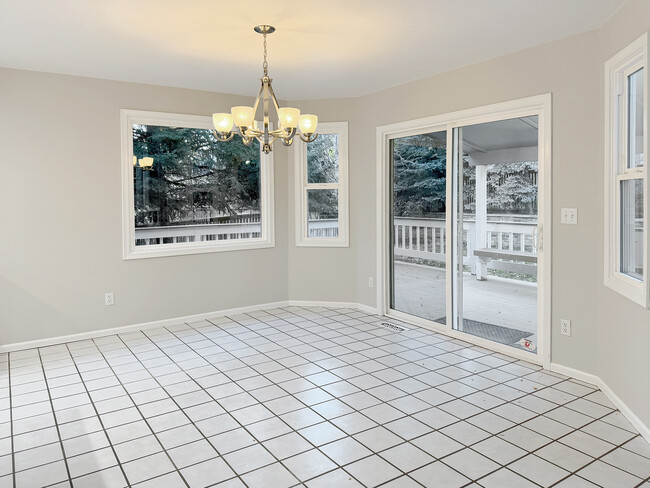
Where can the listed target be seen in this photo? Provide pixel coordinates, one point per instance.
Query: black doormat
(496, 333)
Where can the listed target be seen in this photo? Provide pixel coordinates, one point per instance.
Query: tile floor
(303, 397)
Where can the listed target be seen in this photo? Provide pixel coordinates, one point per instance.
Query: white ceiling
(322, 48)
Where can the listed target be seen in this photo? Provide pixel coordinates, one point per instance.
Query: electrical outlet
(371, 282)
(565, 327)
(569, 216)
(109, 299)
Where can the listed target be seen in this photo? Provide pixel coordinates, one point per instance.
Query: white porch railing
(145, 236)
(427, 239)
(323, 227)
(195, 233)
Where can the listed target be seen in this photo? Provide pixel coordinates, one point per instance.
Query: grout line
(101, 423)
(11, 423)
(56, 423)
(143, 418)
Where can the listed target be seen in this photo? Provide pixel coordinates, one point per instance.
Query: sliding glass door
(418, 224)
(496, 237)
(463, 228)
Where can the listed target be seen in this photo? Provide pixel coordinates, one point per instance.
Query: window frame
(130, 117)
(302, 186)
(617, 72)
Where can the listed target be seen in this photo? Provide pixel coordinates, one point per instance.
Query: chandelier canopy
(243, 118)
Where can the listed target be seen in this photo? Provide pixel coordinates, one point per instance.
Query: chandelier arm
(275, 100)
(309, 137)
(257, 100)
(223, 136)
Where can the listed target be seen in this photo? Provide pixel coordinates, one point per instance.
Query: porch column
(480, 239)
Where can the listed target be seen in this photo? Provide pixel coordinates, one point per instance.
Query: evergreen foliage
(419, 176)
(323, 167)
(419, 181)
(193, 173)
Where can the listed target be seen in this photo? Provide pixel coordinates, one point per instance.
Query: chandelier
(289, 119)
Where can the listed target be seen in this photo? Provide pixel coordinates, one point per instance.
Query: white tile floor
(303, 397)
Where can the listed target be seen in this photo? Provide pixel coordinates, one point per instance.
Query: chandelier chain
(265, 65)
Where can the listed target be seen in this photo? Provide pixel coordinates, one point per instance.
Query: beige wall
(329, 274)
(61, 244)
(624, 327)
(60, 216)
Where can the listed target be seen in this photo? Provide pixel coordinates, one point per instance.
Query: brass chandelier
(289, 119)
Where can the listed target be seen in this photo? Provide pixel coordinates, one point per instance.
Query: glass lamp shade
(288, 117)
(308, 123)
(222, 122)
(146, 162)
(243, 116)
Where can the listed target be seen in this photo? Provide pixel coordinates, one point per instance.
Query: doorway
(463, 206)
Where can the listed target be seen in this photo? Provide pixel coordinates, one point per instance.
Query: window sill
(629, 288)
(170, 250)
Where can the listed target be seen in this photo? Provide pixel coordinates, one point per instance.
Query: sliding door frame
(537, 105)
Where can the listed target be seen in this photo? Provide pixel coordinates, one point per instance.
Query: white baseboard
(636, 422)
(308, 303)
(50, 341)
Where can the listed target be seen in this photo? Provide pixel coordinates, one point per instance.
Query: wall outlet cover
(565, 327)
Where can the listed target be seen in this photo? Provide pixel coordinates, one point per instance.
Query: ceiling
(502, 134)
(322, 49)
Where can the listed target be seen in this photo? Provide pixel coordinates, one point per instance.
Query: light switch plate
(569, 216)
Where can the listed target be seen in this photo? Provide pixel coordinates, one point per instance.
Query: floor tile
(249, 458)
(241, 401)
(437, 444)
(192, 453)
(288, 445)
(538, 470)
(345, 451)
(564, 456)
(40, 476)
(504, 478)
(309, 464)
(372, 471)
(207, 473)
(499, 450)
(470, 463)
(378, 439)
(408, 428)
(336, 478)
(608, 476)
(322, 433)
(587, 443)
(629, 461)
(147, 467)
(439, 475)
(273, 476)
(106, 478)
(406, 457)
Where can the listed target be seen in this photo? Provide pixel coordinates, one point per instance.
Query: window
(626, 226)
(184, 192)
(322, 188)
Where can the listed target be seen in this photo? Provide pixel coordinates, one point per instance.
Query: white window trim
(129, 249)
(627, 61)
(301, 187)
